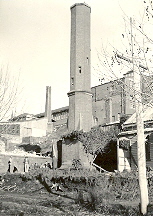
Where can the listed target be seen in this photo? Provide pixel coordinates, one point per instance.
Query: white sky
(35, 41)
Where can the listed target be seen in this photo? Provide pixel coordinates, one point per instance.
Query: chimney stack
(48, 112)
(80, 95)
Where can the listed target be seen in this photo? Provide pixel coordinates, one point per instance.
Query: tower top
(79, 4)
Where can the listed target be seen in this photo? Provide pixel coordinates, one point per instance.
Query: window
(96, 120)
(79, 69)
(87, 60)
(113, 118)
(131, 83)
(147, 146)
(58, 116)
(72, 81)
(132, 102)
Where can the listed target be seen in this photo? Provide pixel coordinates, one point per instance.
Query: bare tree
(135, 55)
(9, 92)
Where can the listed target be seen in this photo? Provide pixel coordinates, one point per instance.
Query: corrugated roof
(147, 115)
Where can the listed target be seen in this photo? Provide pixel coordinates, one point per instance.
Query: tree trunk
(141, 153)
(141, 145)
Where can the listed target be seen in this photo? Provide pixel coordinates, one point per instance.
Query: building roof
(22, 117)
(147, 115)
(62, 109)
(80, 4)
(132, 132)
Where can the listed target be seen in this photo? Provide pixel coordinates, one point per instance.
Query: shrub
(76, 164)
(95, 140)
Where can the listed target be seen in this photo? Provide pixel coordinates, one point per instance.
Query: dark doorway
(59, 151)
(108, 158)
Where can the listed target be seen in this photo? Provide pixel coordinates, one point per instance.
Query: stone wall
(2, 146)
(18, 161)
(74, 150)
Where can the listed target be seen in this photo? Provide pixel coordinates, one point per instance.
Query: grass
(82, 195)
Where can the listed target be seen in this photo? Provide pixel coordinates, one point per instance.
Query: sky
(35, 43)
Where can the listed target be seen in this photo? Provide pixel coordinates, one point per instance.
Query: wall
(29, 128)
(131, 155)
(2, 146)
(107, 102)
(116, 107)
(35, 127)
(134, 151)
(123, 160)
(60, 116)
(129, 94)
(18, 161)
(74, 150)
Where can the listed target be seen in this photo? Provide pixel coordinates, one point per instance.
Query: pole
(144, 200)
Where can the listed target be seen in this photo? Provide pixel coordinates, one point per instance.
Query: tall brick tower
(80, 96)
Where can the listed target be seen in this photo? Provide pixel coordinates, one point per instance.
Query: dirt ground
(23, 198)
(40, 203)
(17, 204)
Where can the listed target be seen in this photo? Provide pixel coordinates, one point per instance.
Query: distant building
(113, 99)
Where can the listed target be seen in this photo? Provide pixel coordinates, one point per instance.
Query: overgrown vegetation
(104, 194)
(31, 148)
(95, 140)
(93, 189)
(124, 144)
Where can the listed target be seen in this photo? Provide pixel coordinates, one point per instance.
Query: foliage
(31, 148)
(92, 199)
(76, 164)
(95, 140)
(73, 135)
(105, 187)
(123, 118)
(92, 190)
(124, 144)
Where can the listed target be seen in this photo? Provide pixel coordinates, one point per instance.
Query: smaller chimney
(48, 111)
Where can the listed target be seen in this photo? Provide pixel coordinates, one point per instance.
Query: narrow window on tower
(72, 81)
(87, 60)
(79, 69)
